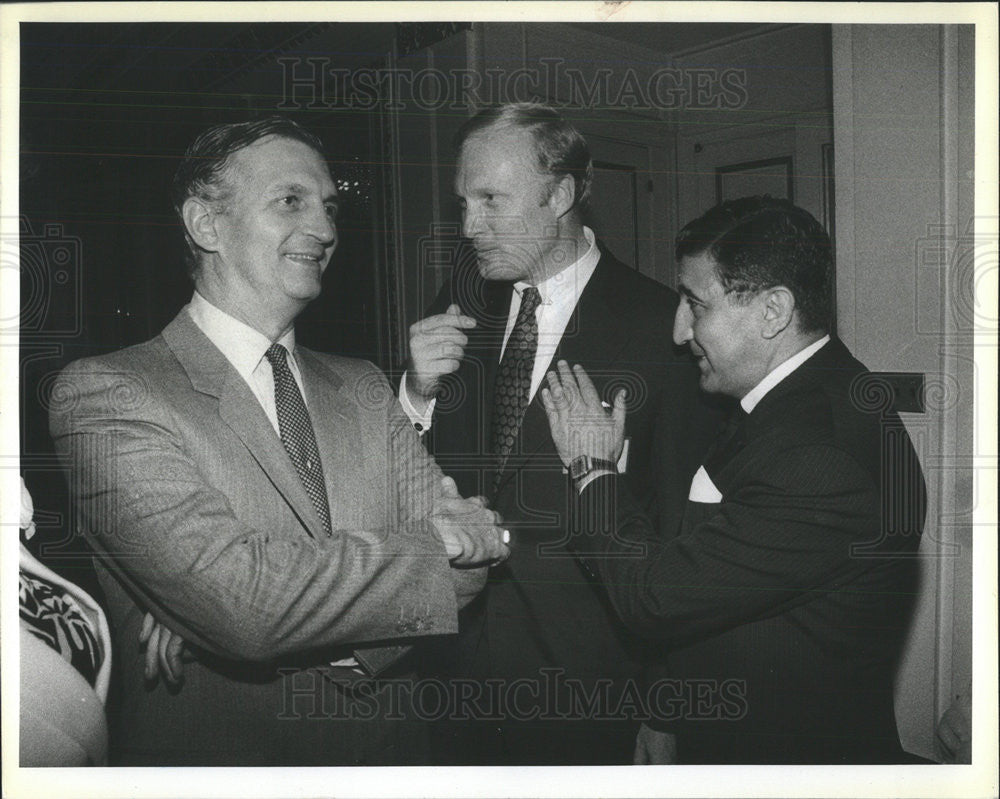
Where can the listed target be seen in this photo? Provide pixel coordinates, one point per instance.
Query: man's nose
(472, 223)
(322, 227)
(682, 324)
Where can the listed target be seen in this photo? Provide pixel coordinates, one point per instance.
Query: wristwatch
(583, 465)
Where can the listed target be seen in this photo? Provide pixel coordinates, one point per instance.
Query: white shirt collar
(243, 346)
(571, 280)
(779, 373)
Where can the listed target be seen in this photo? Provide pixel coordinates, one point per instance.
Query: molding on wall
(843, 139)
(763, 30)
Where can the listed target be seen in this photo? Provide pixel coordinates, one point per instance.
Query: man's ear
(562, 196)
(779, 310)
(199, 219)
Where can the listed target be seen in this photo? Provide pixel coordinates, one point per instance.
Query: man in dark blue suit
(542, 287)
(784, 598)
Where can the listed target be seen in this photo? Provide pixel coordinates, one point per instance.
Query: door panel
(782, 156)
(614, 214)
(620, 200)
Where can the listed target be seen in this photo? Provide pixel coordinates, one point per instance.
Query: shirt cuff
(420, 421)
(590, 478)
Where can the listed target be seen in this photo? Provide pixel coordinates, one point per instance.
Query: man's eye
(693, 305)
(331, 211)
(290, 200)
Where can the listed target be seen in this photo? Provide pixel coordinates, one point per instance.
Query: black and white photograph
(499, 399)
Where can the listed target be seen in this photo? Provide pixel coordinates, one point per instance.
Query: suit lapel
(478, 372)
(331, 404)
(833, 357)
(494, 325)
(211, 374)
(831, 361)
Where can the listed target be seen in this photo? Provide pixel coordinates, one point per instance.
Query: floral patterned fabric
(54, 617)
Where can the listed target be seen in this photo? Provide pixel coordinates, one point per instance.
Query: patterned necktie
(297, 432)
(513, 384)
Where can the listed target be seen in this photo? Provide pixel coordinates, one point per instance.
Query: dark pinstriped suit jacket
(791, 595)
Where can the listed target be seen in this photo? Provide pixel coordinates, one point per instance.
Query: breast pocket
(703, 489)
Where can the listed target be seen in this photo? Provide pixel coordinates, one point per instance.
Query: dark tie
(513, 384)
(729, 441)
(297, 432)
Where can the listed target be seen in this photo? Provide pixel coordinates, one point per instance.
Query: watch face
(578, 467)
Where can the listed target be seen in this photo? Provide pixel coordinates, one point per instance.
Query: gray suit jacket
(197, 514)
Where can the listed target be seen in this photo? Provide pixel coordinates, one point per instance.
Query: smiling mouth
(304, 258)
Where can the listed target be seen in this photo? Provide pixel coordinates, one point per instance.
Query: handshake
(472, 536)
(471, 532)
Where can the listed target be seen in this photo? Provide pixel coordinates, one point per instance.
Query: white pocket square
(703, 489)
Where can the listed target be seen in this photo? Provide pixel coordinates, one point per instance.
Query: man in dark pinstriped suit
(792, 575)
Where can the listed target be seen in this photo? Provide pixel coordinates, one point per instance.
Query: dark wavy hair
(761, 242)
(203, 171)
(560, 148)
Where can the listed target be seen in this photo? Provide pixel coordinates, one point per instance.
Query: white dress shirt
(779, 373)
(559, 296)
(244, 348)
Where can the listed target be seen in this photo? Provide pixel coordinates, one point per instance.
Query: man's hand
(437, 345)
(470, 531)
(164, 649)
(579, 422)
(654, 748)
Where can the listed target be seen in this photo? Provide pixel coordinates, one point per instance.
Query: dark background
(107, 111)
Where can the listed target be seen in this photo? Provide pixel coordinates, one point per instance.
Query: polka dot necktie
(513, 384)
(297, 432)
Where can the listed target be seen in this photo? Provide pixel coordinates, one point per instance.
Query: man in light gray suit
(269, 504)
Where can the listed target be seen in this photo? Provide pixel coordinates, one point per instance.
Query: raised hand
(470, 531)
(437, 345)
(579, 422)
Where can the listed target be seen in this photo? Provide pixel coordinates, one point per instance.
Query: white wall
(903, 136)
